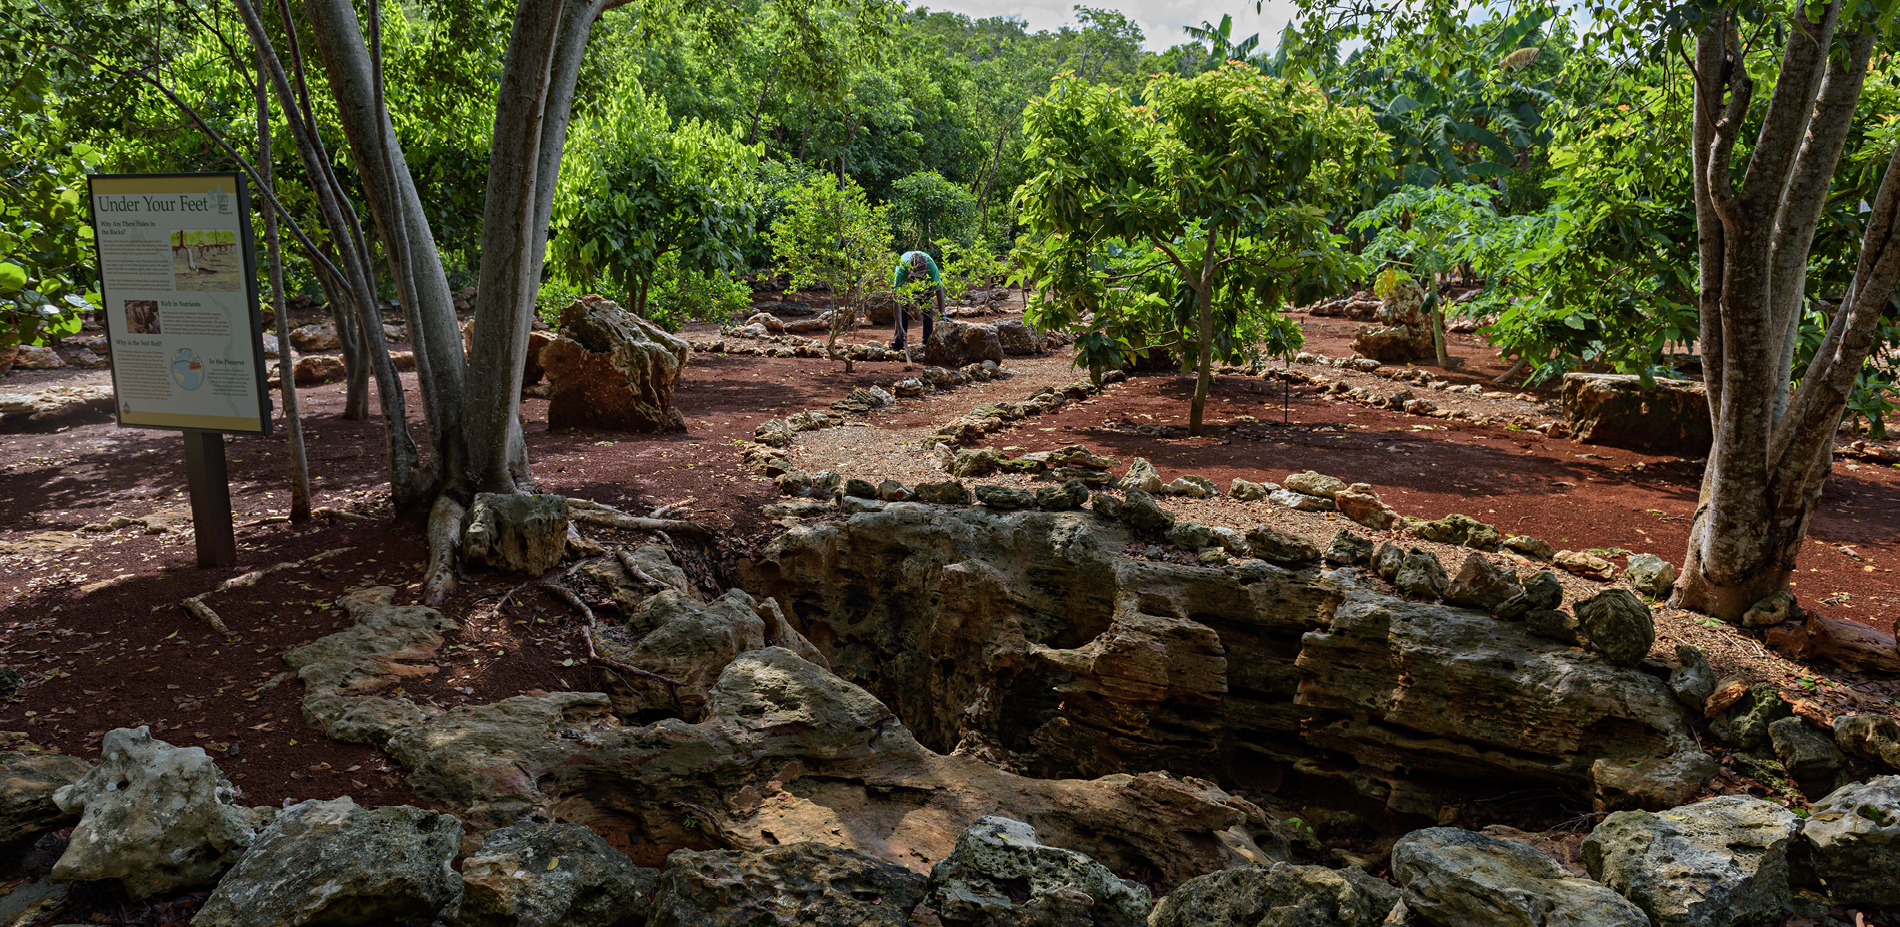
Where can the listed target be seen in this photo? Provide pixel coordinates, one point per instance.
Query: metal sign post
(178, 279)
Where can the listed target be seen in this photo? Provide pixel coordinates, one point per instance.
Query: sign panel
(179, 282)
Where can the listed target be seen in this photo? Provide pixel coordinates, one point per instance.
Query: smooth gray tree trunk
(293, 422)
(1773, 451)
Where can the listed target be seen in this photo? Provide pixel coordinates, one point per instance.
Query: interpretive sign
(179, 283)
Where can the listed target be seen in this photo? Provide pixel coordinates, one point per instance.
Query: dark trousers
(920, 305)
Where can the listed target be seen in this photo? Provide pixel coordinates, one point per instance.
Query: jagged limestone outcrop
(1033, 632)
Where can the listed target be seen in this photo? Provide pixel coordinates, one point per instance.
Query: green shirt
(903, 270)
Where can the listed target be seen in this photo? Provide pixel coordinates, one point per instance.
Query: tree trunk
(532, 112)
(1204, 305)
(293, 423)
(1772, 453)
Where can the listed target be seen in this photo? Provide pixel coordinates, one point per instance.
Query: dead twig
(196, 607)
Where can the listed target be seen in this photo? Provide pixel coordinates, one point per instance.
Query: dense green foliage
(1533, 152)
(1183, 225)
(639, 193)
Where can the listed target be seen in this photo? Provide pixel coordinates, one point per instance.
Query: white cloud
(1161, 20)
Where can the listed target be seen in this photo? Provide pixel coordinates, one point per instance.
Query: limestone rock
(1142, 513)
(1544, 590)
(1232, 540)
(852, 505)
(1359, 503)
(312, 369)
(1140, 475)
(1190, 536)
(1720, 862)
(1314, 484)
(1651, 575)
(1300, 501)
(36, 357)
(796, 885)
(1869, 736)
(1348, 548)
(1072, 494)
(970, 462)
(955, 344)
(1280, 895)
(1531, 547)
(517, 532)
(1616, 410)
(1457, 878)
(1075, 455)
(1205, 671)
(1585, 564)
(1386, 560)
(1016, 338)
(1412, 687)
(674, 636)
(1693, 679)
(833, 760)
(1853, 836)
(1107, 506)
(1191, 486)
(1745, 723)
(1421, 575)
(551, 875)
(797, 508)
(1458, 529)
(1770, 611)
(608, 368)
(1480, 584)
(1807, 754)
(383, 646)
(1554, 624)
(997, 859)
(56, 401)
(317, 336)
(1005, 498)
(799, 483)
(1405, 331)
(155, 817)
(27, 784)
(892, 491)
(1246, 491)
(1619, 624)
(946, 493)
(1279, 547)
(332, 862)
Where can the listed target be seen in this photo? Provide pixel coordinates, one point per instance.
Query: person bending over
(916, 264)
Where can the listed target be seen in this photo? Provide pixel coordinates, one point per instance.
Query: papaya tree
(1208, 207)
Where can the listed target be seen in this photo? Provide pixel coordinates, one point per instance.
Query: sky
(1161, 20)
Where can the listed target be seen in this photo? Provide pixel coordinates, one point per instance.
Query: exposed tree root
(593, 655)
(445, 529)
(594, 513)
(633, 570)
(196, 607)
